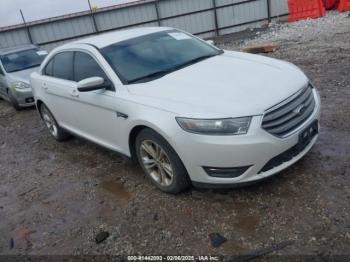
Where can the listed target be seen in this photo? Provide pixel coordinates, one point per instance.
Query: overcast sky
(39, 9)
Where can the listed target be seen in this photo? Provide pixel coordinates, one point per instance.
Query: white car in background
(186, 110)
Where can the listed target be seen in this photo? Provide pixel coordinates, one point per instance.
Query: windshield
(152, 56)
(22, 60)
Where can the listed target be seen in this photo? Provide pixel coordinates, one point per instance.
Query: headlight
(229, 126)
(20, 85)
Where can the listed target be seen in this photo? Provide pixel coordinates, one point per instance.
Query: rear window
(22, 60)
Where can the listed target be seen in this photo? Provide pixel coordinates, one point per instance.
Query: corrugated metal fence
(206, 18)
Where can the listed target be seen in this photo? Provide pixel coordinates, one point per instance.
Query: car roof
(107, 39)
(14, 49)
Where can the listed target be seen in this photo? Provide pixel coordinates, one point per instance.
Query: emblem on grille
(299, 110)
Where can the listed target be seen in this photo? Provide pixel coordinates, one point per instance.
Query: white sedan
(188, 112)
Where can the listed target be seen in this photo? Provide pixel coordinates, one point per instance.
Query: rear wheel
(55, 130)
(161, 163)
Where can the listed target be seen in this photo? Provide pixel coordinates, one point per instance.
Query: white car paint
(230, 85)
(230, 82)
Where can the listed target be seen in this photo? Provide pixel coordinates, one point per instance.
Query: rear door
(60, 89)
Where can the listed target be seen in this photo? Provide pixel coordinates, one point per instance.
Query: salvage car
(187, 111)
(16, 65)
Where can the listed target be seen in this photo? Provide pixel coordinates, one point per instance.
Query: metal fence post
(216, 18)
(27, 27)
(268, 2)
(156, 6)
(93, 17)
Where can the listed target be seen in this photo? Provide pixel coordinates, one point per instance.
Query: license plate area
(308, 134)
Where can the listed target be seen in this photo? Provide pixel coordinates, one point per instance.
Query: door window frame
(53, 66)
(113, 89)
(75, 50)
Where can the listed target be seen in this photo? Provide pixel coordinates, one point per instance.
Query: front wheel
(161, 163)
(55, 130)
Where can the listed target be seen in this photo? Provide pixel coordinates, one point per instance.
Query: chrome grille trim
(286, 117)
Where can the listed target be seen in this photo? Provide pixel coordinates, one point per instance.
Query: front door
(96, 111)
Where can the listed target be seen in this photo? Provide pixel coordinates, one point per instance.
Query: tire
(13, 101)
(161, 163)
(51, 124)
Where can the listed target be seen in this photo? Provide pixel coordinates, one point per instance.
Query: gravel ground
(56, 197)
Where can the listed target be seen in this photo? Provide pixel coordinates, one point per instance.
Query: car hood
(229, 85)
(23, 76)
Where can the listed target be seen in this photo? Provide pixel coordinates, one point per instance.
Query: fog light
(29, 100)
(230, 172)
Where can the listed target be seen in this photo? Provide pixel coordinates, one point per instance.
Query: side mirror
(210, 42)
(91, 84)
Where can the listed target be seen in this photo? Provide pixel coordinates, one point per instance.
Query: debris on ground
(217, 239)
(27, 191)
(305, 30)
(12, 243)
(263, 251)
(102, 236)
(260, 49)
(297, 32)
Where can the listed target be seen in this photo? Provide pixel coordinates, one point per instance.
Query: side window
(49, 68)
(63, 66)
(85, 66)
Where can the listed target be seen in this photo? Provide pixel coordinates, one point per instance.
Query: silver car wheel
(50, 122)
(156, 162)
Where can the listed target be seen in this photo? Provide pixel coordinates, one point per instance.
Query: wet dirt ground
(55, 197)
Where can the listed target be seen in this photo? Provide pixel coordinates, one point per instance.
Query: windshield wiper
(194, 61)
(24, 68)
(162, 73)
(157, 74)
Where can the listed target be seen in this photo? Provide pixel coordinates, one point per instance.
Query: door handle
(74, 93)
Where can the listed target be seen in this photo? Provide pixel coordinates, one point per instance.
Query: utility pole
(216, 18)
(27, 27)
(93, 17)
(156, 6)
(268, 2)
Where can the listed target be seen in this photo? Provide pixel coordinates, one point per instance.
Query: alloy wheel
(50, 122)
(156, 162)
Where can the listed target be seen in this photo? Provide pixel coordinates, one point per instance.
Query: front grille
(292, 152)
(284, 118)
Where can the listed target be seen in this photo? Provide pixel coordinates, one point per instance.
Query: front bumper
(24, 97)
(254, 149)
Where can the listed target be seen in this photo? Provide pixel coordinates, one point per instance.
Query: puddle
(247, 223)
(21, 238)
(117, 189)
